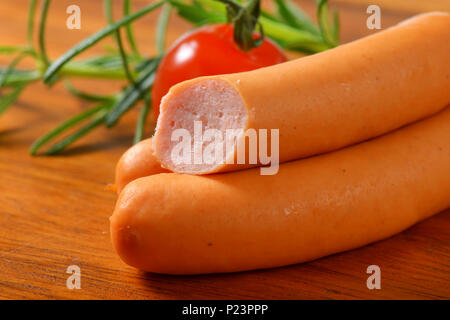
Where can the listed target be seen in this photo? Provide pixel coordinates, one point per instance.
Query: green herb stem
(5, 73)
(161, 28)
(329, 29)
(8, 99)
(43, 53)
(17, 77)
(133, 93)
(129, 29)
(92, 40)
(92, 72)
(60, 146)
(84, 95)
(123, 55)
(291, 37)
(140, 125)
(30, 22)
(288, 25)
(295, 17)
(67, 125)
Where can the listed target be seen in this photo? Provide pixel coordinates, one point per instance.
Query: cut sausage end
(199, 125)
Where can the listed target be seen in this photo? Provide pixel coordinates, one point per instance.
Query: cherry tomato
(209, 50)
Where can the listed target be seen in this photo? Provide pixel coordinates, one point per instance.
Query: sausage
(318, 103)
(136, 162)
(191, 224)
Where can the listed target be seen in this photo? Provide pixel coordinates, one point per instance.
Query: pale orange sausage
(190, 224)
(136, 162)
(321, 102)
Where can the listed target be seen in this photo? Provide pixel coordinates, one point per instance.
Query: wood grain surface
(54, 210)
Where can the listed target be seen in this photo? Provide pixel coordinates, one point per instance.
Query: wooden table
(54, 210)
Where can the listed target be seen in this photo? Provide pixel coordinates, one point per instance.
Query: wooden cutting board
(54, 210)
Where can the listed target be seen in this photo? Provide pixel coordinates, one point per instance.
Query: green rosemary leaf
(132, 94)
(306, 47)
(290, 37)
(110, 49)
(71, 122)
(5, 73)
(92, 40)
(85, 71)
(140, 125)
(99, 60)
(123, 55)
(212, 5)
(30, 22)
(129, 29)
(44, 12)
(142, 65)
(336, 27)
(270, 16)
(295, 16)
(194, 13)
(60, 146)
(17, 77)
(83, 95)
(11, 49)
(8, 99)
(107, 62)
(161, 28)
(326, 29)
(124, 58)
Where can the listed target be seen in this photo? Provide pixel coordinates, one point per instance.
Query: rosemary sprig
(96, 37)
(11, 49)
(118, 37)
(329, 29)
(96, 121)
(56, 132)
(297, 38)
(129, 29)
(197, 14)
(294, 16)
(16, 77)
(8, 99)
(139, 132)
(42, 50)
(30, 23)
(133, 93)
(116, 105)
(5, 73)
(288, 25)
(162, 27)
(83, 95)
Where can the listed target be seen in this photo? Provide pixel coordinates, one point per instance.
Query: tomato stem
(244, 18)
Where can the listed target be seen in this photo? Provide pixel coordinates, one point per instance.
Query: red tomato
(206, 51)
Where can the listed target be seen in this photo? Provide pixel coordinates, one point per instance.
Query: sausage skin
(322, 102)
(138, 161)
(192, 224)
